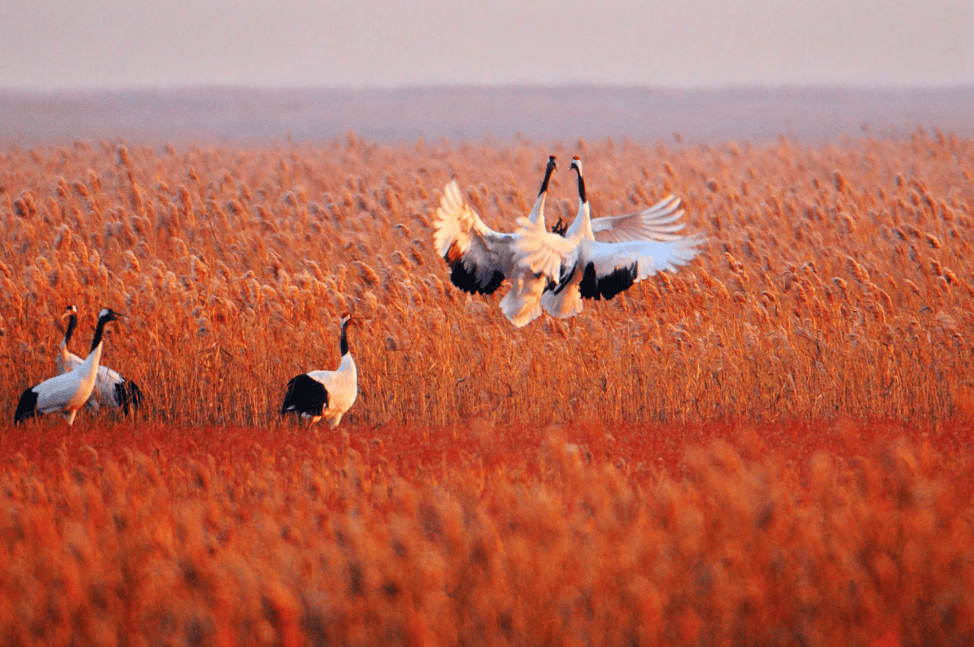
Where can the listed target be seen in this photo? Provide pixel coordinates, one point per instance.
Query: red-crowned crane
(599, 258)
(481, 258)
(110, 387)
(325, 394)
(67, 392)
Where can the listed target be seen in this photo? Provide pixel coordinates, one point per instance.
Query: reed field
(770, 446)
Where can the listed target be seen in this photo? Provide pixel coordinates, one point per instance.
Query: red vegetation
(840, 533)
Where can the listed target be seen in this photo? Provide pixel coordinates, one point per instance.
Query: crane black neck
(72, 324)
(99, 331)
(344, 345)
(547, 175)
(581, 185)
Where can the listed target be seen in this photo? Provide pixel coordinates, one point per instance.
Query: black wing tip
(607, 286)
(305, 395)
(467, 281)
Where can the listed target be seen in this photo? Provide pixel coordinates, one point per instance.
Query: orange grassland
(771, 446)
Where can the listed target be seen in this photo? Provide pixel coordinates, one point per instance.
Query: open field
(770, 447)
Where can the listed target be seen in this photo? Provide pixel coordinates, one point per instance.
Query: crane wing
(479, 257)
(61, 391)
(658, 222)
(110, 387)
(610, 268)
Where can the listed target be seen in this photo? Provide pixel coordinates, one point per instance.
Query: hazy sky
(686, 43)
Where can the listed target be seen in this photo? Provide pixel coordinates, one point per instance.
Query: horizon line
(580, 85)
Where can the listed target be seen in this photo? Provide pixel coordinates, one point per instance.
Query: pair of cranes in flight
(593, 258)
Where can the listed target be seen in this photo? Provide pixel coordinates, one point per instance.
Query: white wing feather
(541, 251)
(658, 222)
(461, 236)
(551, 254)
(649, 256)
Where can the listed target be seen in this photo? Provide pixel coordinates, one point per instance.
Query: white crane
(325, 394)
(110, 387)
(481, 258)
(600, 258)
(67, 392)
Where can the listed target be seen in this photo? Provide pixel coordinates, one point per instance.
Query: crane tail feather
(305, 396)
(27, 407)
